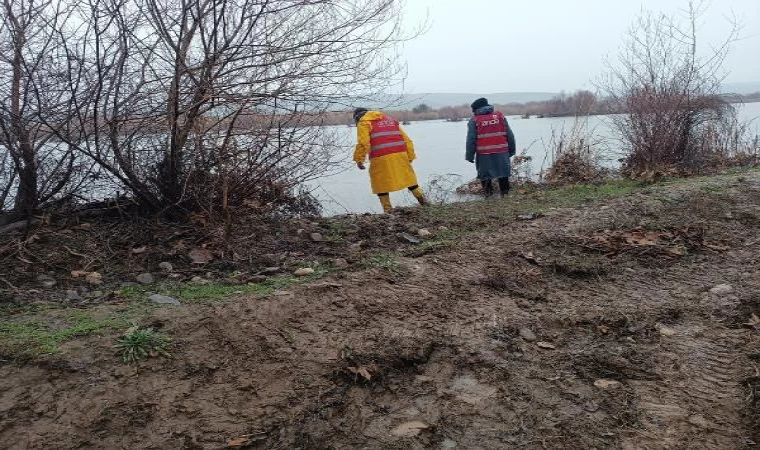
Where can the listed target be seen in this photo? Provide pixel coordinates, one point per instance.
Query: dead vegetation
(667, 243)
(575, 156)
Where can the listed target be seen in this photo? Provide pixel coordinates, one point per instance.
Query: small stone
(163, 299)
(304, 271)
(198, 280)
(528, 335)
(722, 290)
(699, 421)
(73, 296)
(175, 276)
(270, 270)
(448, 443)
(145, 278)
(166, 266)
(316, 237)
(423, 233)
(139, 250)
(607, 384)
(47, 281)
(355, 247)
(443, 228)
(94, 278)
(591, 406)
(200, 255)
(340, 263)
(666, 331)
(546, 345)
(409, 238)
(255, 279)
(409, 429)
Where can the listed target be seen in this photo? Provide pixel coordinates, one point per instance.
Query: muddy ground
(622, 324)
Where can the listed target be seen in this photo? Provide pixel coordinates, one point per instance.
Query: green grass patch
(463, 217)
(139, 343)
(384, 261)
(214, 291)
(713, 188)
(442, 240)
(34, 338)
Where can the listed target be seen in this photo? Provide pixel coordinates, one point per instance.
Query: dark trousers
(488, 186)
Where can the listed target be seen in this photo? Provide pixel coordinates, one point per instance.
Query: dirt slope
(618, 292)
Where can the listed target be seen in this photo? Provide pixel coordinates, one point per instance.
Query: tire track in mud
(699, 405)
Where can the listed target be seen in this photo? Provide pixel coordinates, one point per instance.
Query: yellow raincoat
(388, 173)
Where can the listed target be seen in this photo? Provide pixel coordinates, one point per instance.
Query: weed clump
(139, 343)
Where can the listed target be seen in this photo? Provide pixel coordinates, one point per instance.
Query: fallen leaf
(607, 384)
(139, 250)
(642, 238)
(94, 278)
(199, 219)
(604, 329)
(238, 442)
(84, 226)
(79, 273)
(365, 372)
(754, 320)
(665, 331)
(699, 421)
(200, 255)
(530, 257)
(410, 429)
(546, 345)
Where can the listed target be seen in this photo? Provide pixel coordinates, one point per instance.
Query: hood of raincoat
(371, 115)
(488, 109)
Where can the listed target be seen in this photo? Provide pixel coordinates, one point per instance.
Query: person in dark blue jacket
(490, 145)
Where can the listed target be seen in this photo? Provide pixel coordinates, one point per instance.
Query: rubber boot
(385, 201)
(417, 192)
(487, 187)
(504, 186)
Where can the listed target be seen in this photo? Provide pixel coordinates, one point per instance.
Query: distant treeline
(579, 103)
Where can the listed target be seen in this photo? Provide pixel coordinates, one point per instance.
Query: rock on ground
(528, 335)
(304, 271)
(722, 290)
(145, 278)
(163, 299)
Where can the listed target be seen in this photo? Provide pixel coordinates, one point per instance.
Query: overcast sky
(547, 45)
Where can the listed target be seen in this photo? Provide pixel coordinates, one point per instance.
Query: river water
(440, 164)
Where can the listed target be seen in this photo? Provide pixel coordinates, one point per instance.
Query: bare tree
(34, 167)
(200, 104)
(669, 88)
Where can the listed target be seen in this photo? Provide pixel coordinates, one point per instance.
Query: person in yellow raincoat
(390, 152)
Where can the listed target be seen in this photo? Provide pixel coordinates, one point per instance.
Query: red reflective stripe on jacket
(491, 134)
(385, 137)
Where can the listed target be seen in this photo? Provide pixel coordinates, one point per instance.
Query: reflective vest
(385, 137)
(491, 134)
